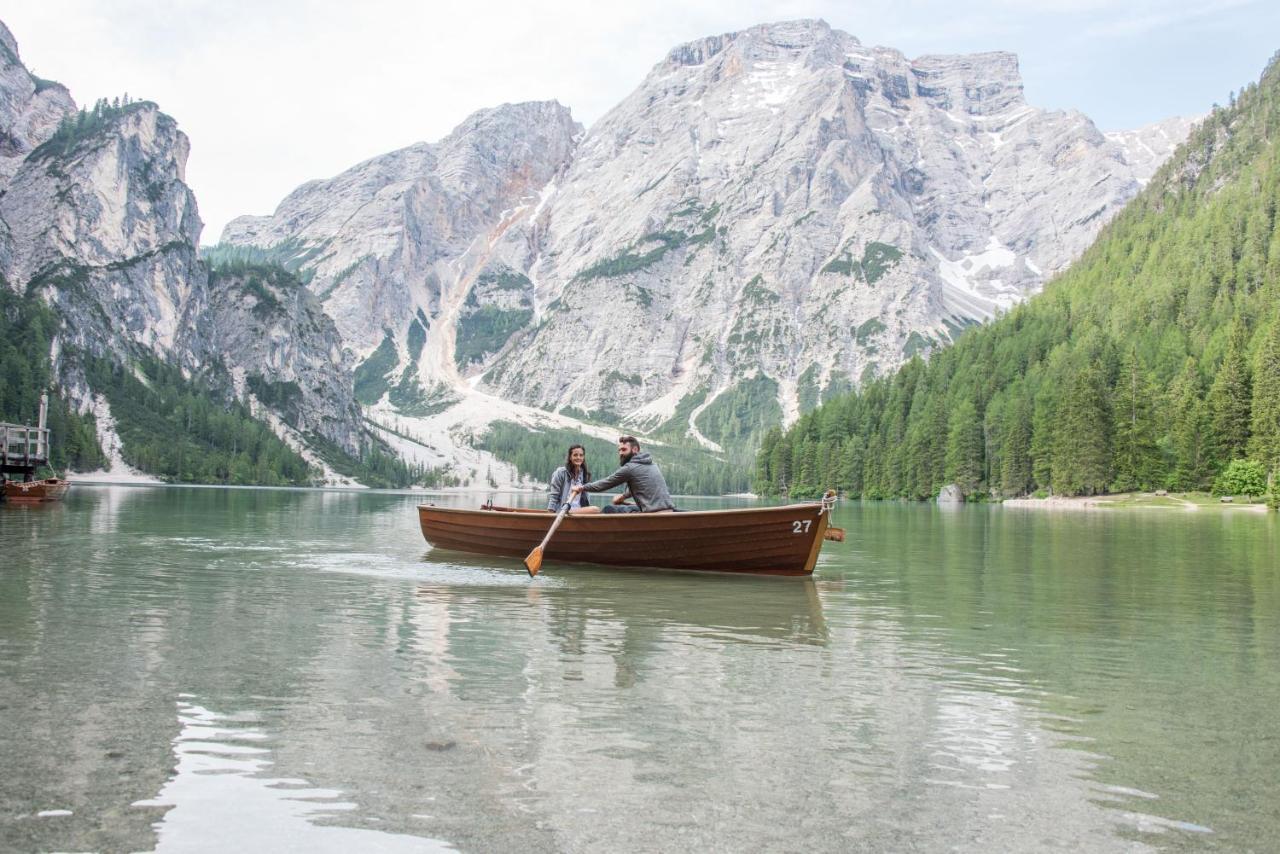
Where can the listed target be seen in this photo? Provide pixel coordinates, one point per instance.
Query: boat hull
(756, 541)
(49, 489)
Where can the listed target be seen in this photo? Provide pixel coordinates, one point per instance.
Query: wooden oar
(533, 562)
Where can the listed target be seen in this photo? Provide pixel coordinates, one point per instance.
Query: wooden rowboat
(49, 489)
(756, 541)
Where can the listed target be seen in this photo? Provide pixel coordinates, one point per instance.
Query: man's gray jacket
(645, 483)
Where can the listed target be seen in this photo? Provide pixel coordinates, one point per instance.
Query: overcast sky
(273, 94)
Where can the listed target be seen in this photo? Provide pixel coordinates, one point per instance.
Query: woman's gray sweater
(558, 490)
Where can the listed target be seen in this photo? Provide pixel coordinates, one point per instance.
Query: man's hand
(621, 499)
(577, 488)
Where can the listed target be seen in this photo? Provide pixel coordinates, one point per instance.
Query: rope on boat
(828, 502)
(26, 485)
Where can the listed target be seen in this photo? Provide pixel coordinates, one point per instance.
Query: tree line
(1154, 361)
(79, 126)
(537, 453)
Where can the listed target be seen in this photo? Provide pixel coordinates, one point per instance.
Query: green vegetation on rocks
(78, 127)
(742, 413)
(416, 339)
(877, 259)
(371, 381)
(631, 259)
(485, 330)
(27, 327)
(171, 427)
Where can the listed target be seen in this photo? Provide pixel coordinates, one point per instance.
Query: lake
(190, 669)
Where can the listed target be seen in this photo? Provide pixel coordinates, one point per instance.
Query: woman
(574, 472)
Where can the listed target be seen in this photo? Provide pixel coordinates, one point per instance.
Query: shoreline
(1186, 502)
(77, 479)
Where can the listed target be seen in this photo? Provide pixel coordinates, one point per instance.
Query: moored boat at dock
(48, 489)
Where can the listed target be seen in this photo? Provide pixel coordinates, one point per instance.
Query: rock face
(771, 217)
(30, 108)
(96, 216)
(284, 352)
(1148, 147)
(103, 223)
(396, 242)
(777, 213)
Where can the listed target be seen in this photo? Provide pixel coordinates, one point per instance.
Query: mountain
(98, 224)
(1153, 361)
(773, 216)
(385, 244)
(101, 221)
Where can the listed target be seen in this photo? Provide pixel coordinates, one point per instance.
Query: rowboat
(49, 489)
(756, 541)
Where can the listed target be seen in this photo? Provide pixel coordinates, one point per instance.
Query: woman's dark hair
(568, 462)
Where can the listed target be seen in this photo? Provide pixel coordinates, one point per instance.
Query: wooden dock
(23, 449)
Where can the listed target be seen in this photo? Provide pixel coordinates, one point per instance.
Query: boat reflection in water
(743, 609)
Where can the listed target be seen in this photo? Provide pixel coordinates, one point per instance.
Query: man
(644, 481)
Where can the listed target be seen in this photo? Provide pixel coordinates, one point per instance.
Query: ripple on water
(221, 789)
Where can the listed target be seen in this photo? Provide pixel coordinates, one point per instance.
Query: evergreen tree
(1042, 434)
(1137, 456)
(763, 482)
(1188, 429)
(964, 448)
(851, 465)
(1264, 446)
(1229, 398)
(1082, 437)
(780, 466)
(1015, 464)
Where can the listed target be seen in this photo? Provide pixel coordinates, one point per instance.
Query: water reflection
(965, 680)
(219, 799)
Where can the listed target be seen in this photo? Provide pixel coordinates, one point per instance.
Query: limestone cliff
(773, 215)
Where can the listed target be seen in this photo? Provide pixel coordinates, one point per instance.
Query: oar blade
(533, 562)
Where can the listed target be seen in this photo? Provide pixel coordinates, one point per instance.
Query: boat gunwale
(522, 512)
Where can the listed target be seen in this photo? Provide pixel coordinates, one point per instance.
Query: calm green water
(190, 669)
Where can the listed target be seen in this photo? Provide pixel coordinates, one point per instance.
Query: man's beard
(623, 459)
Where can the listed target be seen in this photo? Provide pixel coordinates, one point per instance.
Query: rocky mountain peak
(977, 84)
(30, 108)
(787, 212)
(103, 223)
(8, 42)
(383, 243)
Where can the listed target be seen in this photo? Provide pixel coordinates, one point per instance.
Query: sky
(273, 94)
